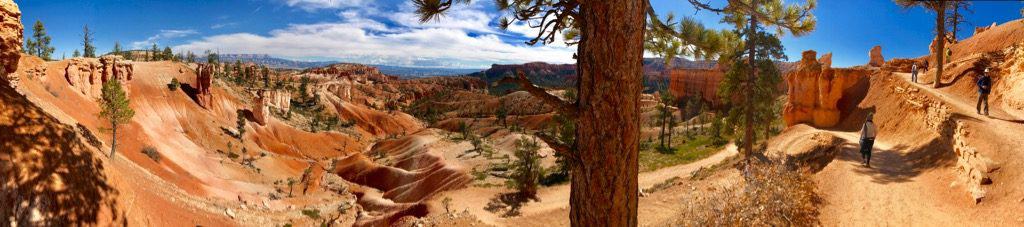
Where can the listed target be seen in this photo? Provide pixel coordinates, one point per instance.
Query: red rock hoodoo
(876, 57)
(10, 39)
(267, 99)
(204, 77)
(815, 92)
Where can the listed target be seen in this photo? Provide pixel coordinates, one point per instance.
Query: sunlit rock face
(10, 38)
(815, 91)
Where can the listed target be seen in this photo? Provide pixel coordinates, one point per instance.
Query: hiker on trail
(984, 87)
(913, 73)
(867, 139)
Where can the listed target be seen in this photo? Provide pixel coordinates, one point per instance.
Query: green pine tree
(168, 54)
(240, 123)
(39, 43)
(76, 54)
(117, 49)
(88, 49)
(115, 109)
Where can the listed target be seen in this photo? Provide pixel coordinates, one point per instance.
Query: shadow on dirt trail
(900, 163)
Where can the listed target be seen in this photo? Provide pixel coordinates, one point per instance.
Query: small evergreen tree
(76, 54)
(240, 123)
(174, 84)
(39, 44)
(526, 169)
(190, 57)
(154, 53)
(117, 49)
(212, 57)
(168, 54)
(115, 109)
(502, 115)
(88, 49)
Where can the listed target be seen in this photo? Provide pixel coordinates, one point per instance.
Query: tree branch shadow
(900, 163)
(508, 204)
(49, 176)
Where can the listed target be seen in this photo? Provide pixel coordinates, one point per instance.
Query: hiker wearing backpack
(984, 88)
(867, 139)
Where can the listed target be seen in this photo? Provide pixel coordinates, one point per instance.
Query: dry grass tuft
(771, 195)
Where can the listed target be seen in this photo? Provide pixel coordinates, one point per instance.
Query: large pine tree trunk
(940, 31)
(748, 89)
(604, 184)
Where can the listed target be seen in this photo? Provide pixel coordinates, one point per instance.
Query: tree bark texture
(604, 182)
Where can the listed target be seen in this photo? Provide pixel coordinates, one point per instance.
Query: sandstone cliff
(696, 83)
(815, 92)
(10, 38)
(87, 75)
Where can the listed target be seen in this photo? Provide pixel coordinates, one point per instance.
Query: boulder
(876, 57)
(815, 92)
(204, 78)
(10, 38)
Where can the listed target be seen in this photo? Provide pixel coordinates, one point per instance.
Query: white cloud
(163, 35)
(465, 38)
(312, 5)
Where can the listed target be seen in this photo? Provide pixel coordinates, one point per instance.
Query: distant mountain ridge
(281, 63)
(564, 75)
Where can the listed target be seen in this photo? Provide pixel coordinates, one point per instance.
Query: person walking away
(913, 73)
(867, 139)
(984, 88)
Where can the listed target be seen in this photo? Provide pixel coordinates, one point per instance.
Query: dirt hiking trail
(914, 178)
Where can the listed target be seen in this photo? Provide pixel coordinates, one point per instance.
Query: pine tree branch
(560, 148)
(563, 107)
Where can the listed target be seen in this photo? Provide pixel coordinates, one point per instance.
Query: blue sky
(386, 31)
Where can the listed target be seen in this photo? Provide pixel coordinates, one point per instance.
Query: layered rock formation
(696, 83)
(267, 99)
(87, 75)
(815, 92)
(83, 75)
(355, 72)
(10, 38)
(204, 78)
(876, 57)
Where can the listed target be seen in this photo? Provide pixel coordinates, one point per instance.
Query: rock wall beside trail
(204, 78)
(905, 65)
(815, 92)
(10, 39)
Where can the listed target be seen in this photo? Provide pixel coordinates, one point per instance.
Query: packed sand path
(895, 192)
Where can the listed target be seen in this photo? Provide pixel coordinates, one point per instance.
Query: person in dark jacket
(867, 139)
(984, 87)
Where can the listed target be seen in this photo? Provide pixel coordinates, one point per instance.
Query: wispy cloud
(163, 36)
(312, 5)
(222, 25)
(465, 38)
